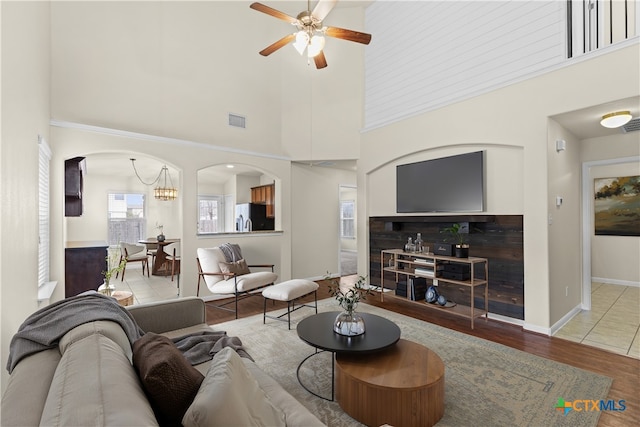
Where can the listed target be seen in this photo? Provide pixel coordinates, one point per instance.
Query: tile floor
(613, 323)
(146, 289)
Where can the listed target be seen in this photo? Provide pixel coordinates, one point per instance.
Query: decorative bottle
(419, 244)
(409, 247)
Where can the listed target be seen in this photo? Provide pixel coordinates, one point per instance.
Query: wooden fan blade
(323, 8)
(271, 11)
(320, 60)
(354, 36)
(277, 45)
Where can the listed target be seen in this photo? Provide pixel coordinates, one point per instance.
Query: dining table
(160, 267)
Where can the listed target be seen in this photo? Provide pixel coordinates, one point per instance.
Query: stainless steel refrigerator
(252, 217)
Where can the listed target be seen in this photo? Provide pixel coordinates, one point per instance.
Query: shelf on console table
(399, 262)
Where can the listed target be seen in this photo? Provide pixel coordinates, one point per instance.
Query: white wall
(25, 115)
(512, 116)
(565, 254)
(188, 159)
(315, 219)
(606, 261)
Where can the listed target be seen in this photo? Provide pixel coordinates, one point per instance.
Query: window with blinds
(43, 211)
(125, 217)
(347, 219)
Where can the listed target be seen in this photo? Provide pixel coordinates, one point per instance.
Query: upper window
(126, 220)
(347, 219)
(210, 214)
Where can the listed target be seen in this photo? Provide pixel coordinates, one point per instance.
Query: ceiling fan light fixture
(302, 40)
(315, 46)
(616, 119)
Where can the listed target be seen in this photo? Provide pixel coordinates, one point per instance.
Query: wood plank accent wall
(499, 238)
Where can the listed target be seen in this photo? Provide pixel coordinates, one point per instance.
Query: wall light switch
(558, 201)
(561, 145)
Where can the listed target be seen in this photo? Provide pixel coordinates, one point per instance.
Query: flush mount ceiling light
(165, 189)
(615, 120)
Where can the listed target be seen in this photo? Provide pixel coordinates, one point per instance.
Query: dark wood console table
(84, 262)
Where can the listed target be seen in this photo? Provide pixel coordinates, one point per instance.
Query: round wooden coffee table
(317, 331)
(403, 385)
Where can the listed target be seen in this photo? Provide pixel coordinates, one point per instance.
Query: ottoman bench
(289, 291)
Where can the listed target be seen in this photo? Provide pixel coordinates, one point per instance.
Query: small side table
(124, 298)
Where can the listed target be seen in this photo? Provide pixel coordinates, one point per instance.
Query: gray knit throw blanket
(44, 328)
(231, 252)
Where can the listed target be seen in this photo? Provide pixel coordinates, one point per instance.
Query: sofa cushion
(167, 377)
(237, 268)
(245, 283)
(31, 377)
(230, 396)
(95, 385)
(109, 329)
(295, 412)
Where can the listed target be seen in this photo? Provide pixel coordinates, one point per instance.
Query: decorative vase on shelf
(160, 237)
(349, 323)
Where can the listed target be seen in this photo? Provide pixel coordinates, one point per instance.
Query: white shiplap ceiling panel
(427, 54)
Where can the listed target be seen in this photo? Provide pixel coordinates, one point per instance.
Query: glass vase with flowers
(348, 322)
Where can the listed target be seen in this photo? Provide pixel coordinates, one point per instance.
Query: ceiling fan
(310, 32)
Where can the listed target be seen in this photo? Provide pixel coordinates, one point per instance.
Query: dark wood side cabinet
(84, 262)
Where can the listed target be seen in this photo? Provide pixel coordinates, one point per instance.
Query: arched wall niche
(106, 172)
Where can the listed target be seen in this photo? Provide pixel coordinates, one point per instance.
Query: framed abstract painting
(617, 206)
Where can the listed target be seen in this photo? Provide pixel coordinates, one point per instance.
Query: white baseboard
(616, 282)
(537, 329)
(565, 319)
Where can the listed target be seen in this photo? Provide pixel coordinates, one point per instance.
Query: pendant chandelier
(165, 190)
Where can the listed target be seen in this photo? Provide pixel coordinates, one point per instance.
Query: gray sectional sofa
(89, 379)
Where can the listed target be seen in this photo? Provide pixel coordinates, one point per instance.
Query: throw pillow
(237, 268)
(168, 379)
(231, 396)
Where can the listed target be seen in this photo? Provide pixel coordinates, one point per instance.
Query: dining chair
(133, 253)
(172, 251)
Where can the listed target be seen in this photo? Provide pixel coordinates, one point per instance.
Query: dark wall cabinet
(84, 263)
(73, 184)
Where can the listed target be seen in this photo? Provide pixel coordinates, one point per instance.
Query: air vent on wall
(631, 126)
(237, 121)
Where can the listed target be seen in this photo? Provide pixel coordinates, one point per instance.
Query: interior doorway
(348, 230)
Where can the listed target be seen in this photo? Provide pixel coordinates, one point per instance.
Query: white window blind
(43, 211)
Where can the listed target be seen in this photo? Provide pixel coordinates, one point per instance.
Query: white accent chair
(133, 253)
(229, 283)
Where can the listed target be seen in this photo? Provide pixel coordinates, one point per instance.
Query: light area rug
(486, 384)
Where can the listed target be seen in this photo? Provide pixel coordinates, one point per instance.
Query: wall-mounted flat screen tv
(448, 184)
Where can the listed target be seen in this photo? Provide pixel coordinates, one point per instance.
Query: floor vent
(631, 126)
(237, 121)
